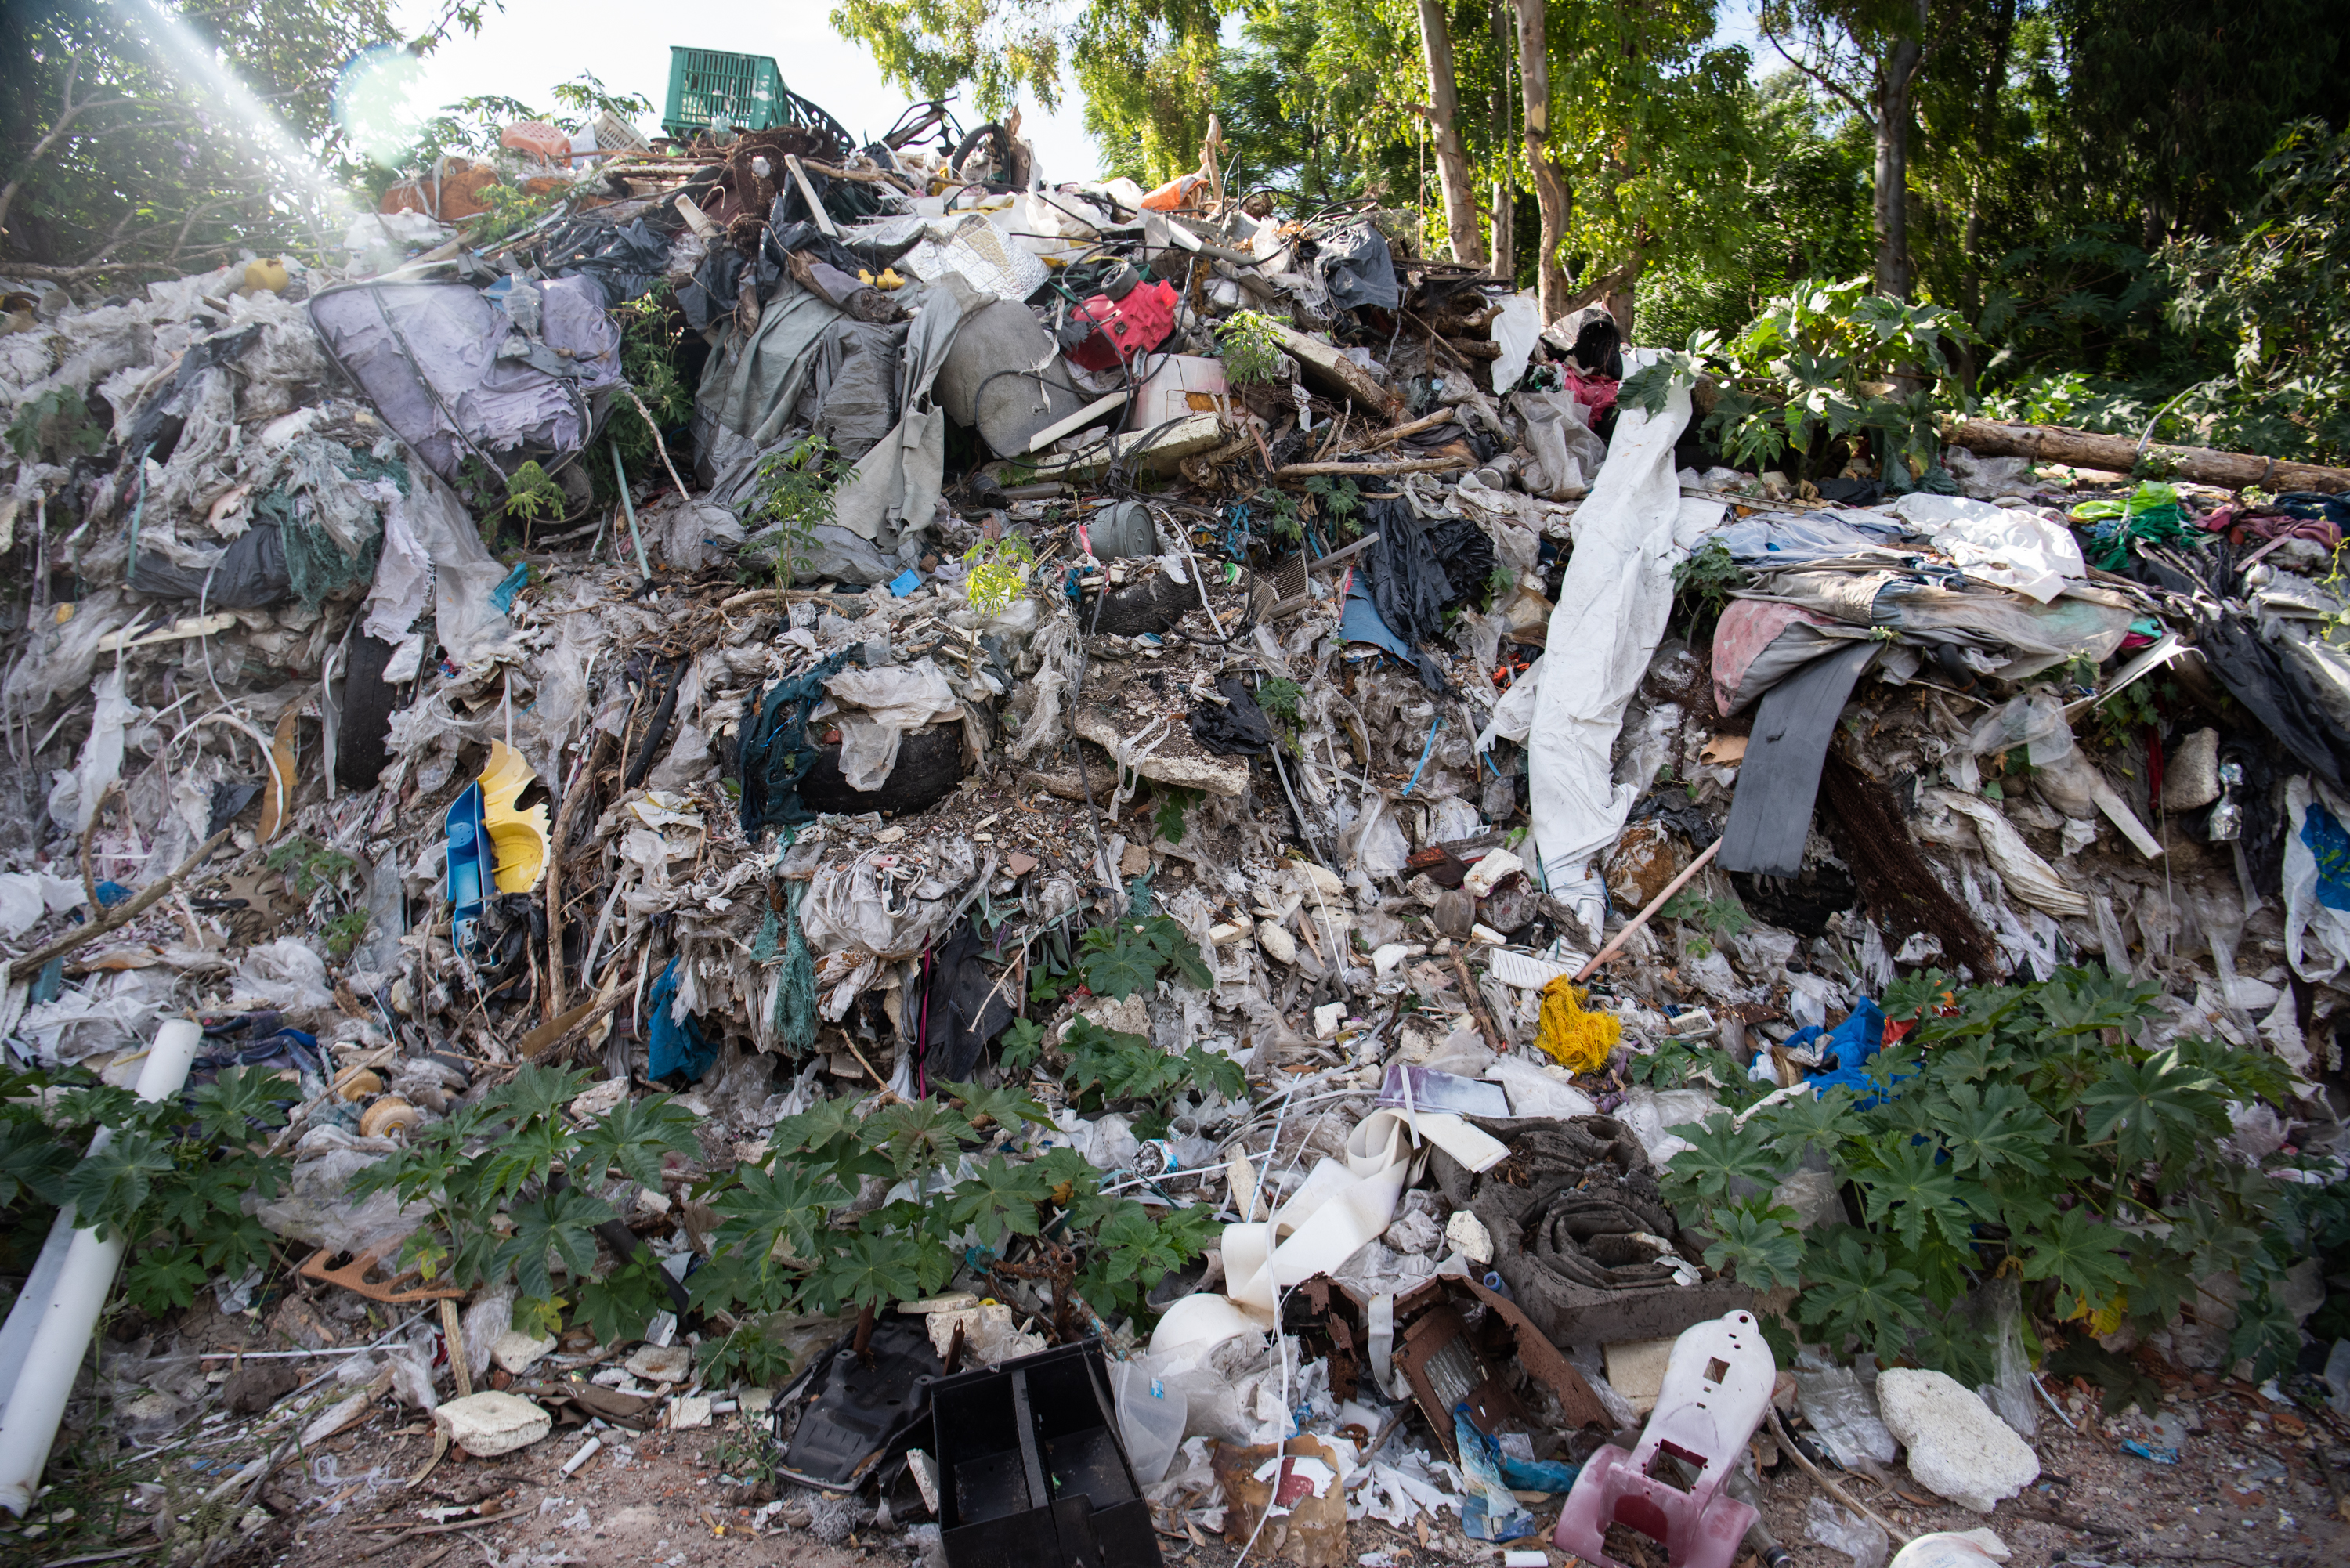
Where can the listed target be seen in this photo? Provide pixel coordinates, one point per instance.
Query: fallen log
(1398, 465)
(1331, 373)
(2120, 454)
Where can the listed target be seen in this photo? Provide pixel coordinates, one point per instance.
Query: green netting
(795, 1018)
(331, 530)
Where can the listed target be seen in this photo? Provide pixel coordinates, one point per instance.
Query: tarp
(1632, 530)
(437, 361)
(899, 480)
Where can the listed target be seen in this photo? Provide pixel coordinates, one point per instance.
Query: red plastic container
(1124, 327)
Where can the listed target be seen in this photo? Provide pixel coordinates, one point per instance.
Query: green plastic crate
(748, 89)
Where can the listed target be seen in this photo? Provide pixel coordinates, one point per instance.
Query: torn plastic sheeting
(1758, 643)
(1559, 433)
(897, 480)
(1517, 328)
(875, 708)
(1766, 540)
(250, 574)
(457, 566)
(1359, 269)
(2003, 545)
(1341, 1206)
(1632, 530)
(25, 897)
(431, 357)
(2027, 876)
(1236, 727)
(675, 1044)
(2316, 881)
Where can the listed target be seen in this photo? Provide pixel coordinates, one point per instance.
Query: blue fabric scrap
(2331, 846)
(675, 1047)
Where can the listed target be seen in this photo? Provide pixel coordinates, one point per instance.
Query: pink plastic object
(542, 141)
(1717, 1387)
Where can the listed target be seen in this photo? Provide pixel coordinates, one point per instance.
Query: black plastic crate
(1030, 1461)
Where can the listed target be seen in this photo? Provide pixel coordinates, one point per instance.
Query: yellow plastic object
(1579, 1040)
(888, 280)
(518, 838)
(266, 276)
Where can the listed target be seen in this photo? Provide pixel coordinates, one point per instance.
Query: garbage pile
(1213, 698)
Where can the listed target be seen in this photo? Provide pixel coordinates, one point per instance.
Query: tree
(136, 140)
(1552, 194)
(1867, 53)
(1444, 121)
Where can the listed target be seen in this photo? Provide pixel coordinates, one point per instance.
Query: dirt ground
(2254, 1485)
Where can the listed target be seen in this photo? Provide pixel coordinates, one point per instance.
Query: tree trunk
(1505, 264)
(1897, 77)
(1452, 157)
(1551, 193)
(2119, 454)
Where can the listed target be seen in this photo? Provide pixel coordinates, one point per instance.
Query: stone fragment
(256, 1386)
(488, 1425)
(1276, 942)
(515, 1350)
(661, 1363)
(1958, 1448)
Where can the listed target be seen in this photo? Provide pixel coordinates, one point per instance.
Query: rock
(688, 1411)
(1134, 862)
(1958, 1448)
(1511, 905)
(488, 1425)
(515, 1350)
(661, 1363)
(1326, 1018)
(1469, 1237)
(1647, 857)
(1455, 912)
(2191, 774)
(256, 1386)
(1488, 871)
(1276, 942)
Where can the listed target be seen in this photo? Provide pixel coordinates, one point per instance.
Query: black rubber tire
(366, 705)
(1152, 605)
(929, 766)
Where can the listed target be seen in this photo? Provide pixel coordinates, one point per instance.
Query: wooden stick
(1393, 433)
(579, 789)
(1412, 465)
(2119, 454)
(1642, 919)
(1479, 1008)
(460, 1364)
(1787, 1446)
(121, 915)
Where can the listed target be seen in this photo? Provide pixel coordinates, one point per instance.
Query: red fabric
(1595, 392)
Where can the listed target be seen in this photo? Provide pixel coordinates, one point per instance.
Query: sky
(532, 45)
(529, 45)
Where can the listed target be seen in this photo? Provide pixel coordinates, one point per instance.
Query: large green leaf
(109, 1189)
(561, 1222)
(1721, 1155)
(1995, 1128)
(874, 1270)
(1000, 1200)
(2153, 1110)
(1913, 1188)
(2082, 1256)
(1851, 1290)
(1760, 1244)
(634, 1135)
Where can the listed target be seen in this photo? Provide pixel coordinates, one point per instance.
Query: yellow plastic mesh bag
(1578, 1040)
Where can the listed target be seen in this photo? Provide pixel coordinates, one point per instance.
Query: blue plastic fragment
(473, 864)
(2160, 1456)
(111, 894)
(502, 596)
(905, 582)
(673, 1047)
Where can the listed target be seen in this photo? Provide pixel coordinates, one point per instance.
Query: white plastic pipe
(29, 1424)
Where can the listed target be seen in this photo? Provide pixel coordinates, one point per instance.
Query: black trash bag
(804, 238)
(628, 259)
(1408, 584)
(1466, 552)
(965, 1005)
(1236, 727)
(1359, 269)
(776, 752)
(250, 574)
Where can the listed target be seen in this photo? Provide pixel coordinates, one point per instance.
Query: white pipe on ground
(29, 1424)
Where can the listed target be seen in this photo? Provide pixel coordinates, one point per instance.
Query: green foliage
(532, 495)
(1250, 347)
(508, 1179)
(1279, 696)
(998, 573)
(344, 933)
(307, 867)
(651, 330)
(1174, 800)
(1126, 1068)
(1339, 498)
(1124, 957)
(1824, 367)
(782, 1244)
(1702, 583)
(2272, 296)
(2019, 1127)
(55, 427)
(172, 1181)
(790, 496)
